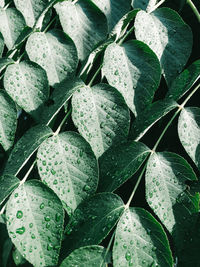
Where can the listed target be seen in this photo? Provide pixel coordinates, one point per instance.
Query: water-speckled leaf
(67, 165)
(31, 9)
(134, 70)
(26, 82)
(184, 81)
(8, 120)
(55, 52)
(101, 116)
(119, 163)
(8, 183)
(150, 116)
(84, 23)
(89, 256)
(1, 44)
(59, 98)
(140, 241)
(113, 10)
(25, 148)
(11, 25)
(166, 175)
(35, 220)
(92, 221)
(4, 62)
(144, 4)
(189, 132)
(168, 36)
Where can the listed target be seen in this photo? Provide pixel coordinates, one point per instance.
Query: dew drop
(21, 230)
(47, 218)
(42, 206)
(86, 188)
(19, 214)
(128, 256)
(33, 236)
(49, 247)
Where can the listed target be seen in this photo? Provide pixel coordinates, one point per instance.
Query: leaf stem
(156, 6)
(95, 75)
(125, 35)
(108, 247)
(27, 174)
(63, 121)
(194, 9)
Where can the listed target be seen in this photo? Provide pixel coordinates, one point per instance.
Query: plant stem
(156, 6)
(63, 121)
(125, 35)
(95, 75)
(27, 174)
(194, 9)
(108, 247)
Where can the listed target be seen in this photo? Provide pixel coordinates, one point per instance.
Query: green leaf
(92, 221)
(134, 70)
(150, 116)
(25, 148)
(146, 5)
(168, 36)
(2, 3)
(166, 175)
(113, 10)
(11, 25)
(17, 257)
(119, 163)
(140, 241)
(26, 82)
(121, 27)
(55, 52)
(84, 23)
(184, 81)
(91, 256)
(1, 44)
(8, 120)
(67, 165)
(189, 132)
(59, 98)
(31, 10)
(8, 183)
(101, 116)
(4, 62)
(35, 220)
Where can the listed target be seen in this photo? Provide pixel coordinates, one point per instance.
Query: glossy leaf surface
(8, 183)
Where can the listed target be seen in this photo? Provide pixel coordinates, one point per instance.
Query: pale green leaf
(134, 70)
(59, 98)
(4, 62)
(11, 25)
(101, 116)
(8, 120)
(140, 241)
(150, 116)
(31, 9)
(92, 221)
(55, 52)
(8, 183)
(1, 44)
(113, 10)
(91, 256)
(35, 220)
(25, 148)
(67, 165)
(168, 36)
(146, 5)
(189, 132)
(119, 163)
(166, 175)
(2, 3)
(26, 82)
(84, 23)
(184, 81)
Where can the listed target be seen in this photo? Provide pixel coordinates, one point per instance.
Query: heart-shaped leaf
(87, 28)
(8, 120)
(35, 220)
(140, 241)
(134, 70)
(67, 164)
(168, 36)
(55, 52)
(101, 116)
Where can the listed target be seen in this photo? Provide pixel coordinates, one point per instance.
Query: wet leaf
(134, 70)
(8, 120)
(101, 116)
(8, 183)
(140, 241)
(146, 5)
(168, 36)
(35, 222)
(119, 163)
(4, 62)
(55, 52)
(67, 165)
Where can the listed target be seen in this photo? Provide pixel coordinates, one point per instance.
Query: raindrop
(33, 236)
(42, 206)
(86, 188)
(128, 256)
(20, 230)
(58, 217)
(49, 247)
(19, 214)
(47, 218)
